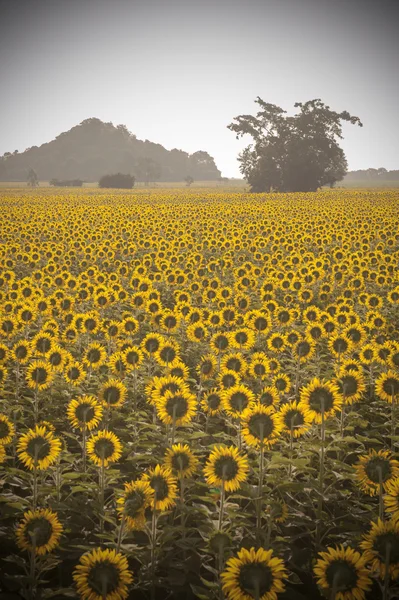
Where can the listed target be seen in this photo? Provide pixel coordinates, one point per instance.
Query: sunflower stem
(153, 546)
(221, 504)
(84, 448)
(120, 534)
(172, 437)
(321, 476)
(36, 405)
(102, 486)
(32, 573)
(260, 486)
(291, 448)
(380, 493)
(393, 424)
(34, 498)
(385, 591)
(342, 418)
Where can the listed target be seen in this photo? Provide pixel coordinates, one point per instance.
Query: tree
(117, 180)
(32, 179)
(148, 170)
(292, 154)
(189, 180)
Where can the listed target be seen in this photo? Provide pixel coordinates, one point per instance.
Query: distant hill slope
(366, 175)
(94, 148)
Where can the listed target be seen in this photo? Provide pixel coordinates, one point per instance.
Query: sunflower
(39, 375)
(340, 344)
(42, 343)
(2, 454)
(344, 571)
(178, 407)
(207, 366)
(236, 399)
(277, 510)
(319, 397)
(178, 369)
(57, 357)
(220, 342)
(84, 413)
(164, 484)
(304, 349)
(277, 342)
(269, 396)
(387, 386)
(282, 383)
(137, 496)
(40, 529)
(226, 466)
(212, 402)
(381, 546)
(152, 342)
(253, 574)
(38, 448)
(167, 353)
(234, 361)
(375, 469)
(7, 430)
(391, 498)
(22, 352)
(158, 386)
(228, 378)
(133, 357)
(351, 385)
(4, 353)
(261, 425)
(74, 373)
(259, 366)
(95, 355)
(296, 419)
(180, 460)
(104, 448)
(113, 393)
(102, 575)
(244, 338)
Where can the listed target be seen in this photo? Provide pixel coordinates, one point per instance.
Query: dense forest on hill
(93, 148)
(372, 174)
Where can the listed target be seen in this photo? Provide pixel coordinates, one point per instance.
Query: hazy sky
(176, 72)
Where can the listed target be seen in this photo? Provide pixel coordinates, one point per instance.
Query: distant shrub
(66, 182)
(117, 180)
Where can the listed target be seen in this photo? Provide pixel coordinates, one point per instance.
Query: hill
(368, 175)
(93, 148)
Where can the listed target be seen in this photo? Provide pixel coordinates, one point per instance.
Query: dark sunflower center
(132, 357)
(38, 448)
(277, 342)
(103, 578)
(104, 448)
(261, 426)
(226, 468)
(281, 384)
(39, 375)
(259, 369)
(303, 348)
(387, 544)
(293, 418)
(319, 397)
(4, 430)
(21, 352)
(113, 330)
(213, 401)
(266, 398)
(55, 359)
(340, 345)
(221, 342)
(152, 345)
(43, 345)
(260, 323)
(206, 367)
(160, 487)
(239, 401)
(176, 406)
(93, 355)
(233, 364)
(349, 385)
(170, 321)
(255, 579)
(168, 354)
(112, 395)
(171, 387)
(180, 461)
(391, 386)
(241, 337)
(134, 503)
(74, 373)
(84, 412)
(342, 575)
(40, 529)
(377, 468)
(90, 324)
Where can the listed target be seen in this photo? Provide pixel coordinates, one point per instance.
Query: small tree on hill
(189, 180)
(292, 154)
(32, 179)
(117, 180)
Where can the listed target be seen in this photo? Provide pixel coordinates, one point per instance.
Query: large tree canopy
(292, 154)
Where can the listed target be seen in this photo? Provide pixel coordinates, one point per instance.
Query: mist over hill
(93, 148)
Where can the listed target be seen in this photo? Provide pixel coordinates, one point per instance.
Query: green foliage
(117, 180)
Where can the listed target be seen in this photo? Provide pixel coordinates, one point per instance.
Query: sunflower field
(199, 395)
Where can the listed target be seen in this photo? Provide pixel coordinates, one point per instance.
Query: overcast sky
(177, 72)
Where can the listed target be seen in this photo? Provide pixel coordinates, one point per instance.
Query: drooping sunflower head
(113, 393)
(253, 574)
(40, 529)
(181, 461)
(376, 469)
(84, 412)
(277, 510)
(164, 485)
(381, 547)
(102, 574)
(261, 425)
(104, 448)
(38, 448)
(7, 430)
(343, 570)
(319, 398)
(226, 466)
(236, 399)
(137, 496)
